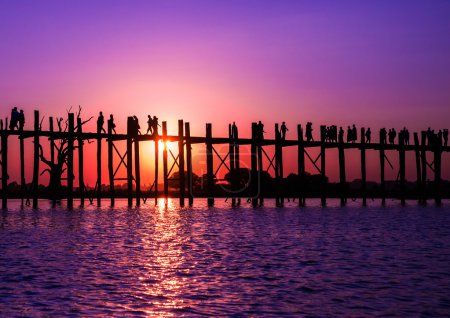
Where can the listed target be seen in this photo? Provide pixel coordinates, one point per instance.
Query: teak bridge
(183, 161)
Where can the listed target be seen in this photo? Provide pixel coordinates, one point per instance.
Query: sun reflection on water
(164, 283)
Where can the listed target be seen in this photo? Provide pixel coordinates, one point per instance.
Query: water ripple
(166, 261)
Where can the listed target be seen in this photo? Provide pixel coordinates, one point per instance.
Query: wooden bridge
(183, 161)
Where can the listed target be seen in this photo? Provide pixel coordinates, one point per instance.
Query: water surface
(166, 261)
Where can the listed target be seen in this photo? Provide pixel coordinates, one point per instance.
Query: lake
(164, 261)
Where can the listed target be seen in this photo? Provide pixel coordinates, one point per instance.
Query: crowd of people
(152, 123)
(436, 138)
(331, 133)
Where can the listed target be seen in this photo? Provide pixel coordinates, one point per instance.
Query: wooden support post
(189, 163)
(70, 142)
(110, 163)
(437, 170)
(382, 166)
(324, 192)
(277, 167)
(260, 171)
(363, 167)
(156, 164)
(301, 166)
(35, 183)
(418, 171)
(137, 168)
(165, 162)
(5, 168)
(52, 151)
(80, 161)
(22, 170)
(237, 164)
(232, 172)
(342, 177)
(254, 167)
(99, 165)
(423, 157)
(280, 165)
(401, 154)
(130, 132)
(209, 165)
(181, 161)
(52, 141)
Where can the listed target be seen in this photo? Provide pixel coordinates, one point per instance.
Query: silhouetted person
(234, 130)
(341, 134)
(392, 134)
(1, 124)
(439, 138)
(155, 125)
(260, 131)
(113, 125)
(368, 135)
(149, 125)
(401, 137)
(100, 123)
(308, 133)
(349, 134)
(14, 118)
(283, 130)
(334, 133)
(136, 125)
(354, 133)
(331, 133)
(383, 135)
(21, 120)
(406, 136)
(445, 135)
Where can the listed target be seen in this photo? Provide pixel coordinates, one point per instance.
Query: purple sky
(373, 63)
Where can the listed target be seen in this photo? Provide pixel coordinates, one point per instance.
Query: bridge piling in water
(342, 176)
(80, 144)
(363, 167)
(181, 175)
(382, 169)
(424, 166)
(130, 125)
(165, 163)
(4, 169)
(35, 183)
(300, 166)
(323, 196)
(187, 133)
(418, 170)
(70, 145)
(111, 163)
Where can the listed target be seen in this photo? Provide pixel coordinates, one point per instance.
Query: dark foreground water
(166, 261)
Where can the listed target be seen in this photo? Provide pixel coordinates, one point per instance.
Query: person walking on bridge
(308, 133)
(368, 135)
(100, 123)
(149, 125)
(283, 131)
(14, 118)
(111, 122)
(155, 125)
(21, 120)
